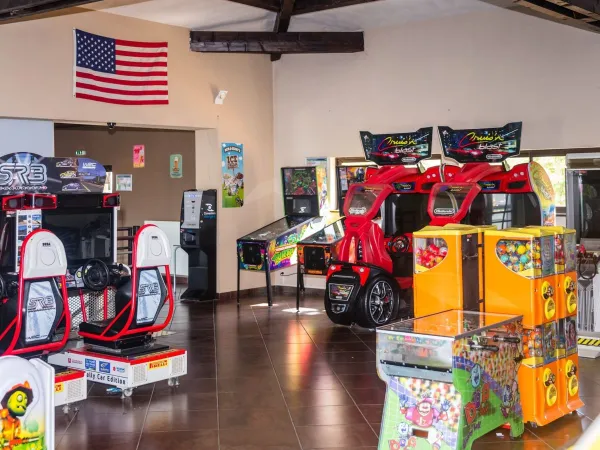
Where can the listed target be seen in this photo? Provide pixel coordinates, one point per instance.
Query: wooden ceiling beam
(265, 42)
(14, 9)
(309, 6)
(282, 22)
(269, 5)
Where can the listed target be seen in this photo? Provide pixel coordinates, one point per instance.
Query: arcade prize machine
(370, 281)
(451, 378)
(198, 238)
(520, 275)
(273, 247)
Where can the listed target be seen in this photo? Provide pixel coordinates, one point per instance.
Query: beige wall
(36, 82)
(484, 69)
(155, 195)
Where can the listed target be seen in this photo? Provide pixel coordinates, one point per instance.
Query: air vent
(76, 390)
(140, 373)
(178, 366)
(517, 185)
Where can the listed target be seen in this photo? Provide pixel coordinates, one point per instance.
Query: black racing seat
(136, 311)
(36, 307)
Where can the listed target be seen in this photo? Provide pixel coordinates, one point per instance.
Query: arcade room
(299, 225)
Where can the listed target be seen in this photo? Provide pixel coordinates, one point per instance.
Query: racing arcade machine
(35, 191)
(121, 351)
(198, 226)
(273, 247)
(371, 281)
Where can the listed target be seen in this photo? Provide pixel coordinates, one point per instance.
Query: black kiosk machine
(198, 226)
(273, 247)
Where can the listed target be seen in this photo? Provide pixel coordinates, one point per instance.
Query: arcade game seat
(121, 351)
(34, 307)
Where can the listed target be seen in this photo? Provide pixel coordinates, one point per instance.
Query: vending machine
(198, 227)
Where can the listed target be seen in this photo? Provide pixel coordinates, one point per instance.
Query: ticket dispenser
(198, 227)
(519, 274)
(446, 270)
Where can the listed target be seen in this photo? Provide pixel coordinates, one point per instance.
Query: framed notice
(124, 182)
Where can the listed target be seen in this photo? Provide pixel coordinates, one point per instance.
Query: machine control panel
(191, 209)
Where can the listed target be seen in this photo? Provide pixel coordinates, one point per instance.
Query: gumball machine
(446, 270)
(519, 274)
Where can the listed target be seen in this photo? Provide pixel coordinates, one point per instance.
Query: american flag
(120, 72)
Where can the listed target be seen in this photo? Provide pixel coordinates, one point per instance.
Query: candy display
(429, 253)
(446, 256)
(520, 256)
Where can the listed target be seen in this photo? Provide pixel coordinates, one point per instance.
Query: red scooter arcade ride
(371, 282)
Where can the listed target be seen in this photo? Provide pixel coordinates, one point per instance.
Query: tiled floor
(268, 379)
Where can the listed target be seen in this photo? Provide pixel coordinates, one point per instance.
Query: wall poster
(232, 166)
(139, 156)
(176, 166)
(124, 182)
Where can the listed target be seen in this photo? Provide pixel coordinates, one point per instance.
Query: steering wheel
(95, 275)
(399, 244)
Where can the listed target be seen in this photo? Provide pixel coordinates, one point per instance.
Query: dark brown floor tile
(324, 397)
(287, 370)
(588, 387)
(563, 430)
(267, 382)
(361, 381)
(343, 347)
(259, 437)
(373, 413)
(183, 401)
(92, 423)
(292, 348)
(354, 367)
(296, 338)
(302, 382)
(367, 396)
(337, 436)
(250, 417)
(242, 446)
(176, 440)
(110, 441)
(179, 420)
(349, 357)
(591, 409)
(115, 404)
(187, 384)
(327, 415)
(235, 400)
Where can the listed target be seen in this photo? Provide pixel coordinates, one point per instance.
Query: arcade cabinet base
(197, 295)
(70, 386)
(126, 372)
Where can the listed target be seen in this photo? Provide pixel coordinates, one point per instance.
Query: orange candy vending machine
(446, 269)
(519, 274)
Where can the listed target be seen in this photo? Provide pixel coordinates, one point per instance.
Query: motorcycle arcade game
(370, 281)
(121, 351)
(273, 247)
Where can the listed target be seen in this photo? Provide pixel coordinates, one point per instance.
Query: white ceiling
(225, 15)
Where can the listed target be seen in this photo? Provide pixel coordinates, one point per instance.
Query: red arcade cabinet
(370, 282)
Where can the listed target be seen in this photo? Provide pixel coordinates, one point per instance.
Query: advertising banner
(399, 149)
(232, 164)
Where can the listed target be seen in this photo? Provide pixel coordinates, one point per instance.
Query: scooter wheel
(380, 303)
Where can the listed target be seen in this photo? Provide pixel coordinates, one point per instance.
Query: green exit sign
(80, 153)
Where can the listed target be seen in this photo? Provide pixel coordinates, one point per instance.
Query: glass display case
(451, 377)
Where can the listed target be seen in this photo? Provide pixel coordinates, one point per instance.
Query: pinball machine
(274, 246)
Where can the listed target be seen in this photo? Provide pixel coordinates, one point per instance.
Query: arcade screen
(85, 233)
(504, 210)
(347, 176)
(300, 180)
